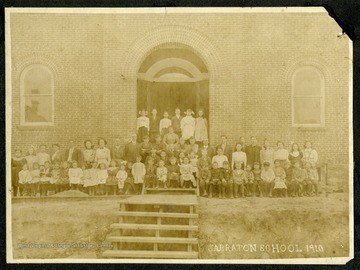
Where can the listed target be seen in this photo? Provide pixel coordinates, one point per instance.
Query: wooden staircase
(155, 227)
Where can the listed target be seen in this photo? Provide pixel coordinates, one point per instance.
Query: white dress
(200, 129)
(187, 127)
(138, 171)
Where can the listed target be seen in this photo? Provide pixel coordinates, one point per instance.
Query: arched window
(308, 98)
(37, 96)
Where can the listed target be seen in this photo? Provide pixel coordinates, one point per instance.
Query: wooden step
(150, 254)
(142, 239)
(155, 214)
(132, 226)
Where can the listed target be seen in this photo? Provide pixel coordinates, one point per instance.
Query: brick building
(273, 73)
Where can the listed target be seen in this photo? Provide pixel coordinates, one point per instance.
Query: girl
(227, 182)
(45, 176)
(31, 157)
(88, 153)
(188, 125)
(64, 176)
(102, 175)
(35, 175)
(193, 160)
(42, 156)
(75, 175)
(201, 127)
(295, 155)
(280, 175)
(309, 154)
(239, 178)
(161, 174)
(142, 126)
(182, 156)
(267, 153)
(17, 163)
(111, 181)
(238, 156)
(250, 187)
(173, 172)
(150, 176)
(268, 177)
(102, 154)
(281, 153)
(138, 171)
(55, 176)
(121, 176)
(24, 180)
(91, 179)
(186, 173)
(165, 123)
(192, 147)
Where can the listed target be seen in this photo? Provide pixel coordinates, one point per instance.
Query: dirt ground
(245, 228)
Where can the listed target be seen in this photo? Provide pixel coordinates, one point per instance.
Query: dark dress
(294, 159)
(16, 167)
(252, 154)
(131, 151)
(154, 127)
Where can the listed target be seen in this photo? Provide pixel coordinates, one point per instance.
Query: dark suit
(252, 154)
(154, 127)
(76, 155)
(131, 151)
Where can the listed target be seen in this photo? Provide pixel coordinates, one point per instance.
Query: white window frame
(321, 96)
(23, 95)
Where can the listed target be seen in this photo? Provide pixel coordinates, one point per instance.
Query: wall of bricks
(250, 58)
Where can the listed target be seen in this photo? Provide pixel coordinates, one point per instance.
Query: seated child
(163, 157)
(55, 178)
(250, 186)
(111, 181)
(102, 175)
(186, 174)
(24, 180)
(150, 175)
(161, 174)
(268, 177)
(288, 178)
(35, 179)
(193, 160)
(204, 160)
(91, 179)
(75, 175)
(129, 185)
(182, 155)
(121, 176)
(64, 176)
(280, 175)
(239, 179)
(138, 171)
(216, 177)
(45, 176)
(153, 156)
(173, 173)
(298, 177)
(204, 179)
(227, 181)
(258, 183)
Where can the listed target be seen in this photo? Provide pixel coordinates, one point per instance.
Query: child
(121, 176)
(17, 163)
(201, 127)
(150, 175)
(173, 173)
(297, 183)
(142, 126)
(158, 145)
(281, 153)
(55, 178)
(181, 146)
(91, 179)
(220, 157)
(165, 123)
(24, 180)
(203, 161)
(192, 147)
(82, 179)
(42, 156)
(102, 175)
(258, 183)
(182, 156)
(314, 178)
(163, 157)
(216, 177)
(250, 187)
(129, 185)
(35, 179)
(204, 179)
(111, 181)
(153, 156)
(239, 179)
(309, 154)
(75, 175)
(161, 174)
(64, 176)
(280, 175)
(268, 176)
(288, 178)
(188, 125)
(88, 153)
(145, 148)
(45, 176)
(227, 181)
(193, 160)
(176, 122)
(171, 151)
(186, 173)
(138, 171)
(311, 179)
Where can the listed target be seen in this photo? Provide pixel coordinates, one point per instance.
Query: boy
(216, 177)
(204, 178)
(239, 179)
(268, 176)
(173, 172)
(297, 183)
(150, 175)
(227, 181)
(161, 174)
(250, 187)
(258, 183)
(279, 184)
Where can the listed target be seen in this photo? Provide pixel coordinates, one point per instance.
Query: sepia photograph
(178, 135)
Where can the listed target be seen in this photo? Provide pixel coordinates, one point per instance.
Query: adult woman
(267, 153)
(238, 156)
(88, 153)
(309, 154)
(295, 155)
(201, 126)
(102, 154)
(31, 157)
(281, 153)
(188, 125)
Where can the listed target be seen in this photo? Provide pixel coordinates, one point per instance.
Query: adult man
(73, 153)
(154, 125)
(132, 149)
(175, 122)
(209, 151)
(117, 152)
(56, 155)
(226, 148)
(253, 151)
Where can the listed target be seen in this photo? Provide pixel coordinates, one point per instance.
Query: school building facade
(277, 75)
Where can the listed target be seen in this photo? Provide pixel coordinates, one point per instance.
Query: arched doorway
(171, 77)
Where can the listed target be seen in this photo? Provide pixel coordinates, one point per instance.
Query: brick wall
(250, 58)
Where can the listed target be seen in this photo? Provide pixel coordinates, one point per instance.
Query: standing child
(121, 176)
(55, 178)
(161, 174)
(173, 173)
(35, 179)
(102, 175)
(188, 125)
(165, 123)
(176, 122)
(64, 176)
(138, 171)
(298, 177)
(24, 180)
(311, 179)
(204, 160)
(216, 177)
(111, 181)
(250, 187)
(193, 160)
(201, 126)
(17, 162)
(227, 181)
(239, 178)
(204, 179)
(129, 185)
(91, 179)
(45, 176)
(280, 176)
(268, 176)
(258, 183)
(75, 175)
(142, 126)
(288, 178)
(150, 176)
(186, 174)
